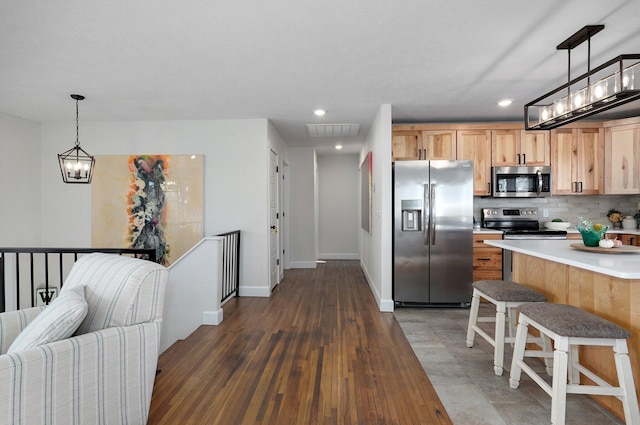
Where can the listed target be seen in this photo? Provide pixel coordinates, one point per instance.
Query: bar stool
(506, 296)
(570, 327)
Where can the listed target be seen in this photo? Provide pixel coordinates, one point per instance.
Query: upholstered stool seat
(506, 296)
(569, 327)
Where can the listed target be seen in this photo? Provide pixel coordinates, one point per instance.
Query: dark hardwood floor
(317, 352)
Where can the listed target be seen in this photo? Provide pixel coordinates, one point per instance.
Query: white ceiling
(433, 60)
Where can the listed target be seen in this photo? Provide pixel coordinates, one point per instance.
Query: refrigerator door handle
(432, 221)
(426, 221)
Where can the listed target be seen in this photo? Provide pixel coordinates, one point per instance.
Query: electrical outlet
(545, 213)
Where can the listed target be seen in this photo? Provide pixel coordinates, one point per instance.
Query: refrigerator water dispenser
(411, 215)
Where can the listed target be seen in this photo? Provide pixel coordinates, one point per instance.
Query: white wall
(236, 155)
(20, 177)
(303, 207)
(338, 219)
(376, 252)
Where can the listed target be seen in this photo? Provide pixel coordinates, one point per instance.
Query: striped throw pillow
(57, 321)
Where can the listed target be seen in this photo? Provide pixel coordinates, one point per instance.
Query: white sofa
(104, 373)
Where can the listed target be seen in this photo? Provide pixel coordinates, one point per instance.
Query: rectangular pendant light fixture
(76, 165)
(611, 84)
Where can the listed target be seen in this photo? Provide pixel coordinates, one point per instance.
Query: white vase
(629, 223)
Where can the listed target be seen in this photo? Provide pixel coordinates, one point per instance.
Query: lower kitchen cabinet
(628, 239)
(487, 260)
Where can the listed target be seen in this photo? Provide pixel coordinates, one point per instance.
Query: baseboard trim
(212, 317)
(385, 306)
(339, 256)
(303, 264)
(254, 291)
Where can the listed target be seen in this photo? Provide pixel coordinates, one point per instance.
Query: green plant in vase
(591, 233)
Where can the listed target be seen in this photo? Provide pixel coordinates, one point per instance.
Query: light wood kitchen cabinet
(406, 145)
(622, 160)
(426, 144)
(512, 147)
(505, 148)
(577, 158)
(487, 260)
(627, 239)
(439, 144)
(536, 147)
(476, 145)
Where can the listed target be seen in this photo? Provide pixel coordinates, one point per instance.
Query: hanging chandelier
(76, 165)
(611, 84)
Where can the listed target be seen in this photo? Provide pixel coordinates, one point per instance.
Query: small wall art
(365, 193)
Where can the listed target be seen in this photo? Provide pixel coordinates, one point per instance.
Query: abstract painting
(148, 201)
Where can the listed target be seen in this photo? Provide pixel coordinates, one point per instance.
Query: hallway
(317, 352)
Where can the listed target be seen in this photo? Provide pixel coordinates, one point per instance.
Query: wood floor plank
(317, 351)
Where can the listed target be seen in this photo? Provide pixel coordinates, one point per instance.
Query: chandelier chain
(77, 125)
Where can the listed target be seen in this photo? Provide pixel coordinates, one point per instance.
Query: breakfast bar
(605, 283)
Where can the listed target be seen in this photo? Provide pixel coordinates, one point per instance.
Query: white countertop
(625, 266)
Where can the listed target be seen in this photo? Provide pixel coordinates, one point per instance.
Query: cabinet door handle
(580, 184)
(632, 241)
(518, 159)
(524, 159)
(484, 259)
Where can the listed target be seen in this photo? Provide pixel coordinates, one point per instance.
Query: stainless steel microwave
(521, 182)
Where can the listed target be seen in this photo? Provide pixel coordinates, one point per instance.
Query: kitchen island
(606, 284)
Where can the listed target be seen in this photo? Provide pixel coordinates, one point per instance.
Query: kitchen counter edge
(624, 266)
(482, 231)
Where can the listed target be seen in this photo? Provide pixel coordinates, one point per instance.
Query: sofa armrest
(12, 323)
(100, 377)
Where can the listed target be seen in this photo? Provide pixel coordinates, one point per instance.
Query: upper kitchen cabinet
(439, 144)
(577, 160)
(511, 147)
(476, 145)
(622, 159)
(406, 145)
(425, 144)
(536, 147)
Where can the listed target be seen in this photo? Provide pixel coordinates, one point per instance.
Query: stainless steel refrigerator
(433, 232)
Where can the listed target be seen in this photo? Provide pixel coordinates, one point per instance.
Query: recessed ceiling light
(338, 147)
(505, 102)
(319, 112)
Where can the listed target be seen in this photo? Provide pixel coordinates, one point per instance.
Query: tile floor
(466, 383)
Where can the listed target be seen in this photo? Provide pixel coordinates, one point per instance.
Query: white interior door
(274, 246)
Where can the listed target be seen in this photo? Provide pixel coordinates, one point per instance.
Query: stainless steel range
(516, 223)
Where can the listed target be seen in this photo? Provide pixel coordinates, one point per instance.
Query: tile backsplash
(568, 208)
